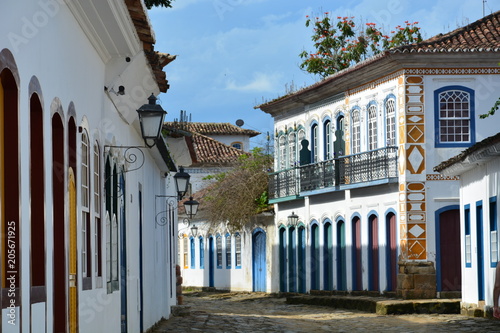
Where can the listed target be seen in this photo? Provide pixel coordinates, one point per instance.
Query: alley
(259, 312)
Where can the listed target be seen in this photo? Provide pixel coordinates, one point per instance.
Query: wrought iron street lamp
(151, 119)
(293, 219)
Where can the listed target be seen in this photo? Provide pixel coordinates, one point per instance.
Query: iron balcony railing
(359, 168)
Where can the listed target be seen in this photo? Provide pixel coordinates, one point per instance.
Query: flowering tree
(340, 44)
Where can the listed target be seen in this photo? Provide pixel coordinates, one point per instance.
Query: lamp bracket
(133, 155)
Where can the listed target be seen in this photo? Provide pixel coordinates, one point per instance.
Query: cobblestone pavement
(260, 312)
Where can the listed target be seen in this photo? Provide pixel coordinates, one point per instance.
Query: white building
(81, 251)
(354, 158)
(479, 170)
(216, 256)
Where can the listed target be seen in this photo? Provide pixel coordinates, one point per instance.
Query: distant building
(216, 256)
(354, 158)
(479, 170)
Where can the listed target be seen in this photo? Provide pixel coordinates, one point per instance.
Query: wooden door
(73, 285)
(449, 243)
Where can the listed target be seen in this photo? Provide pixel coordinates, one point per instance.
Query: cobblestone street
(259, 312)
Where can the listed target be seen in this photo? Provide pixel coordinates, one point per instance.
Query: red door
(449, 242)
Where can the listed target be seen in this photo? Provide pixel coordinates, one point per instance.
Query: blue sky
(235, 54)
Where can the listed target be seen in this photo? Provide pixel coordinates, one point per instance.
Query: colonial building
(81, 250)
(479, 170)
(212, 255)
(354, 160)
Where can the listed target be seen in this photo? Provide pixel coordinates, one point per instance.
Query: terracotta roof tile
(156, 59)
(490, 141)
(212, 152)
(213, 128)
(481, 35)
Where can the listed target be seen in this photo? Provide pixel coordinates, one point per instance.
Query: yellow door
(73, 295)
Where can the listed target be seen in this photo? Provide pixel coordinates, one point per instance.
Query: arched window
(292, 149)
(314, 143)
(85, 204)
(237, 145)
(454, 116)
(390, 122)
(219, 251)
(282, 152)
(97, 216)
(372, 127)
(237, 250)
(356, 132)
(228, 251)
(327, 138)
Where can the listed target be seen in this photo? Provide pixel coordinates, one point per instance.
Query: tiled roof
(213, 128)
(212, 152)
(478, 148)
(479, 36)
(156, 59)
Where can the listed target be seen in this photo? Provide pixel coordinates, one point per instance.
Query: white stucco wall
(479, 184)
(47, 42)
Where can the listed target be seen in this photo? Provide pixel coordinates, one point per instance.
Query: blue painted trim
(327, 254)
(284, 199)
(386, 99)
(438, 245)
(437, 142)
(467, 231)
(315, 248)
(313, 138)
(480, 249)
(192, 250)
(235, 251)
(301, 224)
(228, 253)
(201, 243)
(327, 121)
(493, 222)
(218, 264)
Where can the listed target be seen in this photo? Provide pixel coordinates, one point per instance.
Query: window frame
(372, 126)
(85, 202)
(356, 131)
(201, 243)
(229, 252)
(467, 237)
(218, 251)
(390, 122)
(437, 118)
(192, 251)
(237, 250)
(493, 222)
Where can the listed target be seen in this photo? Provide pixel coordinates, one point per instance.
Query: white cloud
(261, 82)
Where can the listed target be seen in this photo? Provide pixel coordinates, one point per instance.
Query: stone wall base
(416, 280)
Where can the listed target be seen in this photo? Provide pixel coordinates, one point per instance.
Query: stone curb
(381, 306)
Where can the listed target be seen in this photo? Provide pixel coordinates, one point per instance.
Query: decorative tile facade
(412, 208)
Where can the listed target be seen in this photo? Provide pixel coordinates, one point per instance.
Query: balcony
(363, 169)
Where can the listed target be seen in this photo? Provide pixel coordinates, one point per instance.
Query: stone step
(381, 305)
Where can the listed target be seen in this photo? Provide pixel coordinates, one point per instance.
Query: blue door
(341, 257)
(480, 250)
(314, 257)
(327, 257)
(211, 263)
(259, 260)
(283, 261)
(301, 247)
(292, 268)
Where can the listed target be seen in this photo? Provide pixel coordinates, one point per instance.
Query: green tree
(240, 193)
(158, 3)
(340, 44)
